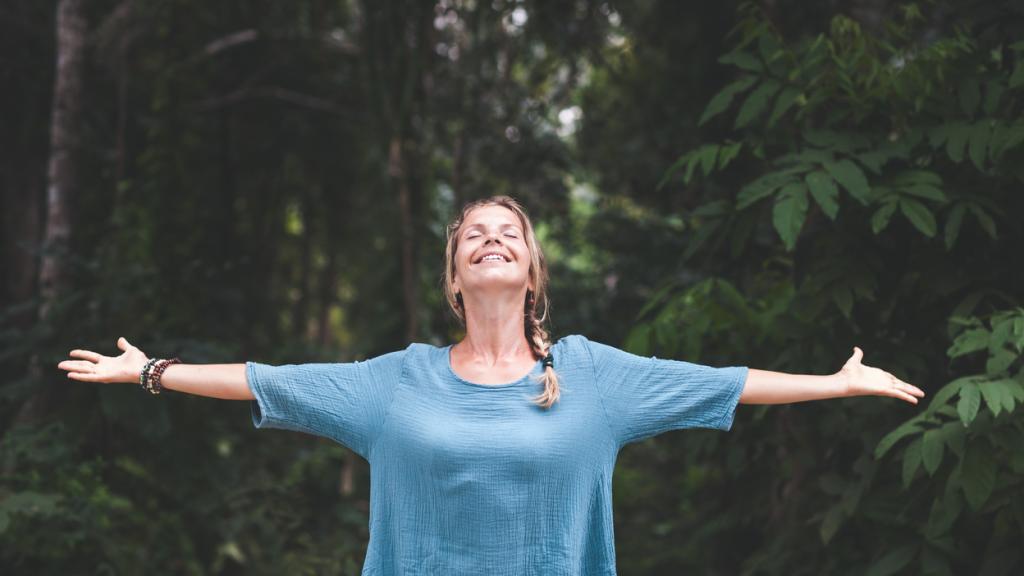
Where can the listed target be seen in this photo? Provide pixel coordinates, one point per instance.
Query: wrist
(842, 383)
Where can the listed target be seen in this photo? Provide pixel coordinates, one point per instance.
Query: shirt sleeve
(346, 402)
(645, 396)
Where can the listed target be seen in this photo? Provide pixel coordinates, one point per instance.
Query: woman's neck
(494, 332)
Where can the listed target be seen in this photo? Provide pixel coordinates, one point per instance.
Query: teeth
(493, 257)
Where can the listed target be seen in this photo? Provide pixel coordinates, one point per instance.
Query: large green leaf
(992, 393)
(911, 461)
(756, 103)
(742, 60)
(931, 450)
(784, 102)
(720, 101)
(789, 212)
(825, 192)
(919, 215)
(970, 401)
(880, 219)
(764, 186)
(978, 143)
(969, 341)
(909, 427)
(953, 223)
(851, 178)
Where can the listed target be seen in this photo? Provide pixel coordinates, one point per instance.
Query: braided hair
(535, 307)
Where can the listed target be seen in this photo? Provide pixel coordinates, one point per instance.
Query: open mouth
(492, 257)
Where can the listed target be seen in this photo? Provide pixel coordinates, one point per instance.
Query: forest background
(763, 184)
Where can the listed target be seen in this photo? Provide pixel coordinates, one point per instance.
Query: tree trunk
(398, 169)
(61, 182)
(64, 130)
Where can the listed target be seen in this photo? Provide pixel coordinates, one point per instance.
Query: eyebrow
(503, 226)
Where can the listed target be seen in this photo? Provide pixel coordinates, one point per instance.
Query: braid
(541, 344)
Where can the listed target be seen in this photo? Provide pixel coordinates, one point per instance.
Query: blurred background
(764, 184)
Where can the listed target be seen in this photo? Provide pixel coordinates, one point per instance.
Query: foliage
(842, 130)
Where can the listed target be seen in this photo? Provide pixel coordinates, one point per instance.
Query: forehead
(490, 216)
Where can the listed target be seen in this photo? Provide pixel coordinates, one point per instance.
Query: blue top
(471, 478)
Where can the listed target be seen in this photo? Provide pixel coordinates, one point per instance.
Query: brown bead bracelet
(153, 371)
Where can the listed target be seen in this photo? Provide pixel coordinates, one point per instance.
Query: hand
(125, 368)
(864, 380)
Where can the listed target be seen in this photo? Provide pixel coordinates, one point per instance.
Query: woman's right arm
(224, 381)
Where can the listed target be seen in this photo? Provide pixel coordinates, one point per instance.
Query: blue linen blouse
(471, 478)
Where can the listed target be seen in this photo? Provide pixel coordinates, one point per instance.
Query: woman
(495, 455)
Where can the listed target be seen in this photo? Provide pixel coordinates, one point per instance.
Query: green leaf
(993, 94)
(1000, 360)
(783, 103)
(970, 400)
(831, 523)
(742, 60)
(763, 187)
(823, 189)
(893, 562)
(880, 219)
(992, 393)
(978, 475)
(953, 222)
(926, 191)
(720, 102)
(931, 450)
(969, 341)
(728, 153)
(850, 177)
(919, 215)
(978, 143)
(789, 212)
(958, 133)
(679, 163)
(889, 440)
(756, 103)
(986, 222)
(911, 462)
(707, 156)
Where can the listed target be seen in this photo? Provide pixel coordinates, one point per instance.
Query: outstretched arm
(853, 379)
(225, 381)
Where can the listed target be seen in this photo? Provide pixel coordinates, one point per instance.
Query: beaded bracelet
(152, 372)
(144, 375)
(158, 372)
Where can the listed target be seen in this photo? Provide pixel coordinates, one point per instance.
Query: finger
(913, 389)
(123, 344)
(76, 366)
(82, 376)
(857, 354)
(87, 354)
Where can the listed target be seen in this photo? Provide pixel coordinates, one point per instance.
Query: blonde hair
(536, 304)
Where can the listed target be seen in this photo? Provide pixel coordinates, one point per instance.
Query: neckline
(451, 372)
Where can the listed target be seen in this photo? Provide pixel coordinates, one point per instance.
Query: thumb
(857, 354)
(123, 344)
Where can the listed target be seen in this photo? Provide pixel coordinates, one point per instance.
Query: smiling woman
(473, 472)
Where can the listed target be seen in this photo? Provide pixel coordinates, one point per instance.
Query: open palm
(96, 367)
(865, 380)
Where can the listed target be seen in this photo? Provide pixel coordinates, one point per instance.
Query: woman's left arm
(853, 379)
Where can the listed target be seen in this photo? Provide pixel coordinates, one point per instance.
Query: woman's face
(491, 230)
